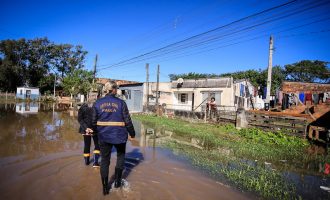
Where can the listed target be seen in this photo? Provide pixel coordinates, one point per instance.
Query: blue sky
(119, 30)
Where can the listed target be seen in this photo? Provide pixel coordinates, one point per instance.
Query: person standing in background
(87, 131)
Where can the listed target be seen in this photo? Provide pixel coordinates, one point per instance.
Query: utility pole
(270, 66)
(54, 83)
(147, 85)
(95, 64)
(157, 86)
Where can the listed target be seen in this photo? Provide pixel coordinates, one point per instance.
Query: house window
(129, 94)
(183, 98)
(21, 92)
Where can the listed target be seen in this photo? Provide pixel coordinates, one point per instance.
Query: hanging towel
(280, 97)
(242, 90)
(321, 96)
(316, 98)
(308, 97)
(264, 94)
(302, 97)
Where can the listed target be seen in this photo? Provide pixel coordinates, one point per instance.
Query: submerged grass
(250, 176)
(241, 156)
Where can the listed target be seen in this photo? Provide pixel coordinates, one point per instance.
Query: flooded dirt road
(41, 158)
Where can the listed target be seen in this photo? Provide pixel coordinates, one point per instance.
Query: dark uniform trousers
(106, 155)
(87, 144)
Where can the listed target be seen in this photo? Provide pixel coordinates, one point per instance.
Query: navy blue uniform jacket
(112, 120)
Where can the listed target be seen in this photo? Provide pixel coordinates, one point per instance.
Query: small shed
(133, 95)
(31, 93)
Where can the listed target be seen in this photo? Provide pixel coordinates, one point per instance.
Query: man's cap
(110, 86)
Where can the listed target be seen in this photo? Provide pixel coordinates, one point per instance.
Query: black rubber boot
(96, 160)
(86, 158)
(118, 174)
(105, 184)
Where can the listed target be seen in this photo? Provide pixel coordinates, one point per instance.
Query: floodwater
(41, 158)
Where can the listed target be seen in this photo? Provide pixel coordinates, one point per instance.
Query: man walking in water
(113, 122)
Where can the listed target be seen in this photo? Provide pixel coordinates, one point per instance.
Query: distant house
(31, 93)
(135, 95)
(164, 93)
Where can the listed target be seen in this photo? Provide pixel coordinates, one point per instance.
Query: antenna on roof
(180, 82)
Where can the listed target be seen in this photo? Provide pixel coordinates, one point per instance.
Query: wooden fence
(288, 124)
(7, 96)
(291, 125)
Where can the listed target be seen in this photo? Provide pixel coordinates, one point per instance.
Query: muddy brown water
(41, 158)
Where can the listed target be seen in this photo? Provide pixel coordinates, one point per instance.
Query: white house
(192, 94)
(27, 93)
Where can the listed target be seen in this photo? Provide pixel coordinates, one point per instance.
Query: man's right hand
(130, 138)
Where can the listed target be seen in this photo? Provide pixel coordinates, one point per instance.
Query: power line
(206, 32)
(191, 41)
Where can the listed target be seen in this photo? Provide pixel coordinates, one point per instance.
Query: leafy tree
(46, 83)
(12, 66)
(34, 62)
(78, 81)
(308, 71)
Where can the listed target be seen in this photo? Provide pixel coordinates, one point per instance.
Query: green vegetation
(250, 158)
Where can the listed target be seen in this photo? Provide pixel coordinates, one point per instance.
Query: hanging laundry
(302, 97)
(308, 97)
(242, 90)
(264, 94)
(316, 98)
(247, 92)
(321, 96)
(280, 97)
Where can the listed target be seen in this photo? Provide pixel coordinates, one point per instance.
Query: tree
(78, 81)
(66, 58)
(33, 62)
(12, 66)
(308, 71)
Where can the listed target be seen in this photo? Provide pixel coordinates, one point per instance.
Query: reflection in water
(37, 134)
(27, 107)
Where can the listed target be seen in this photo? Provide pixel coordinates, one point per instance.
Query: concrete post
(241, 120)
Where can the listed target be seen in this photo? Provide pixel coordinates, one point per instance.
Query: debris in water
(325, 188)
(155, 181)
(283, 160)
(267, 163)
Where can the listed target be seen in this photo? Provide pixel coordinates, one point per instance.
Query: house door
(192, 101)
(28, 94)
(137, 100)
